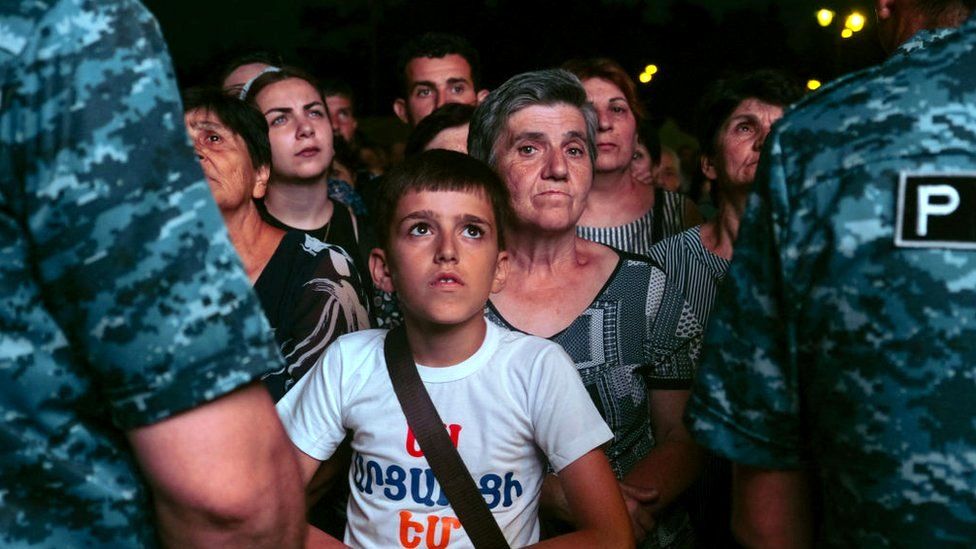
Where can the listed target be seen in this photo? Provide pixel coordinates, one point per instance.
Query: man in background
(435, 69)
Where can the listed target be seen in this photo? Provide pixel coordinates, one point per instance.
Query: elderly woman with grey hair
(537, 131)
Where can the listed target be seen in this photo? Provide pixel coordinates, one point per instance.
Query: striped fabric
(635, 237)
(692, 270)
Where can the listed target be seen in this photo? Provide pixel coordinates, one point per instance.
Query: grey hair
(548, 87)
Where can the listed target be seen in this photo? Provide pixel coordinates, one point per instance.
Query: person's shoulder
(363, 341)
(673, 244)
(855, 96)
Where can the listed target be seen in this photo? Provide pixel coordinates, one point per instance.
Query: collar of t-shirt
(461, 370)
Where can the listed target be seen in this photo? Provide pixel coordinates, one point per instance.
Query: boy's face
(443, 258)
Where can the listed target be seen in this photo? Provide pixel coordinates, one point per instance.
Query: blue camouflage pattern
(122, 301)
(830, 347)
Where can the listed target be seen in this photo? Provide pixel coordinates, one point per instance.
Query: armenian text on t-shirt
(418, 485)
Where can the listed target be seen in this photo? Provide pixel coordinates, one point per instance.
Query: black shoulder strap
(657, 223)
(443, 457)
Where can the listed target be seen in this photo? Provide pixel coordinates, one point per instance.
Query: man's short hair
(440, 170)
(723, 96)
(611, 71)
(239, 117)
(436, 45)
(449, 115)
(333, 87)
(548, 88)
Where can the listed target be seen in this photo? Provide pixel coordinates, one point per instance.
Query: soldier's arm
(224, 474)
(771, 508)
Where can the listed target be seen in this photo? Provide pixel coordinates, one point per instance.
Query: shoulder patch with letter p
(936, 210)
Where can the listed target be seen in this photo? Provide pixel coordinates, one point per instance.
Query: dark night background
(357, 40)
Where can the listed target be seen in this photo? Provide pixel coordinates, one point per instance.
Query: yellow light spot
(813, 84)
(855, 22)
(645, 77)
(825, 17)
(846, 33)
(651, 69)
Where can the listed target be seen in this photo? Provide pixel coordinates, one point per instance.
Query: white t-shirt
(513, 404)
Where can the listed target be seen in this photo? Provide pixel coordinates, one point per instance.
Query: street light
(855, 22)
(846, 33)
(813, 84)
(645, 78)
(825, 17)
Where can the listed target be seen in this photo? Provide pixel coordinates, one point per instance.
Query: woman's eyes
(279, 120)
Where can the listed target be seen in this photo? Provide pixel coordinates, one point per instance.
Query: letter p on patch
(927, 207)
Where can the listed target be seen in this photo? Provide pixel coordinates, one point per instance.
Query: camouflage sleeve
(130, 251)
(744, 403)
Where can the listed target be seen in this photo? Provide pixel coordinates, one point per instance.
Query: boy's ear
(501, 272)
(379, 270)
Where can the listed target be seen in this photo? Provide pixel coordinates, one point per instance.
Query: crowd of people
(213, 345)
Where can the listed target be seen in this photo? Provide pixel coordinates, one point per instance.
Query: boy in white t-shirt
(512, 402)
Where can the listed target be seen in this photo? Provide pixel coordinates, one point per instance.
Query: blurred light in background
(855, 22)
(825, 17)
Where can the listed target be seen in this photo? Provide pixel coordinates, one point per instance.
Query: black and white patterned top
(692, 270)
(621, 350)
(639, 235)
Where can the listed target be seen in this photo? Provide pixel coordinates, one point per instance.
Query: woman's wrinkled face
(739, 143)
(543, 158)
(299, 130)
(616, 134)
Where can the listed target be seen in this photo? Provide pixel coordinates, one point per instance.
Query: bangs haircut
(440, 170)
(723, 96)
(547, 88)
(237, 116)
(611, 71)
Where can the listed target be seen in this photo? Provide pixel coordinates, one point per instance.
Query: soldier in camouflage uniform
(844, 339)
(125, 317)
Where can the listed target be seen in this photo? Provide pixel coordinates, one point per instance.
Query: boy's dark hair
(723, 96)
(264, 57)
(449, 115)
(239, 117)
(440, 170)
(435, 45)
